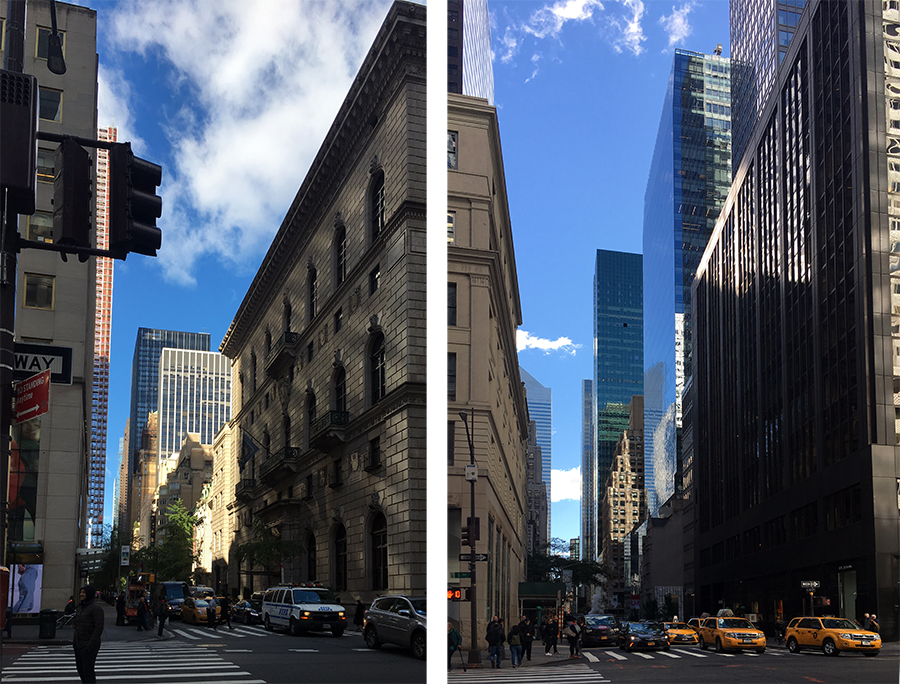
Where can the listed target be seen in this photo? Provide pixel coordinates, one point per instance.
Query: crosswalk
(130, 663)
(239, 632)
(560, 674)
(675, 653)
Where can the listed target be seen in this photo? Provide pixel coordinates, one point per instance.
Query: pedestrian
(495, 638)
(866, 620)
(502, 646)
(87, 631)
(142, 610)
(360, 615)
(70, 606)
(571, 633)
(226, 611)
(873, 624)
(120, 609)
(162, 613)
(551, 636)
(211, 613)
(515, 646)
(454, 641)
(526, 631)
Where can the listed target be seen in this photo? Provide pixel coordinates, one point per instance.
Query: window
(41, 48)
(451, 377)
(50, 104)
(376, 216)
(376, 369)
(379, 552)
(451, 303)
(338, 319)
(40, 227)
(340, 558)
(310, 412)
(340, 389)
(340, 255)
(309, 352)
(39, 291)
(312, 292)
(46, 165)
(451, 227)
(452, 150)
(374, 454)
(374, 279)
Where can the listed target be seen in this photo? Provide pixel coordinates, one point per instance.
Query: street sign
(32, 397)
(34, 358)
(126, 555)
(811, 584)
(460, 575)
(479, 557)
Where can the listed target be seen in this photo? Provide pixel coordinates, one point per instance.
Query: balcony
(280, 464)
(282, 354)
(327, 431)
(243, 490)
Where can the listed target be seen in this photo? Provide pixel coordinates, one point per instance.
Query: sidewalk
(28, 633)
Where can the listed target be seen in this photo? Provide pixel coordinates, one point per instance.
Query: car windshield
(838, 623)
(309, 596)
(646, 626)
(733, 623)
(599, 620)
(201, 603)
(256, 604)
(418, 605)
(676, 625)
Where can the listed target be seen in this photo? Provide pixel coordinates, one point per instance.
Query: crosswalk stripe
(617, 656)
(591, 657)
(646, 656)
(185, 634)
(563, 674)
(692, 653)
(669, 655)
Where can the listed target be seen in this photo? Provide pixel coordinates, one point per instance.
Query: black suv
(396, 620)
(599, 630)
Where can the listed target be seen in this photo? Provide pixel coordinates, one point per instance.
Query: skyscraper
(618, 349)
(588, 474)
(796, 378)
(540, 409)
(145, 386)
(469, 67)
(194, 397)
(761, 32)
(689, 179)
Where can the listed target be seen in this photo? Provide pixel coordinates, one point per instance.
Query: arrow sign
(32, 397)
(478, 557)
(813, 584)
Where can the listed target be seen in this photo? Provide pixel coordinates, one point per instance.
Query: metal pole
(474, 650)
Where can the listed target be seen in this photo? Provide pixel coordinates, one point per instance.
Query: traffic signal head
(18, 125)
(72, 196)
(466, 539)
(133, 203)
(454, 594)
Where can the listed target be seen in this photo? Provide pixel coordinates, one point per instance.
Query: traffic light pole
(474, 650)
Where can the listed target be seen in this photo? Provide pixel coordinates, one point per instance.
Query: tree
(267, 549)
(175, 557)
(107, 577)
(548, 565)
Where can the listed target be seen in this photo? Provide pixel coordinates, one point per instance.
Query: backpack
(514, 640)
(455, 639)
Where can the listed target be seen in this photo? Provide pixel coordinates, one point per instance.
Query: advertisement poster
(23, 473)
(25, 582)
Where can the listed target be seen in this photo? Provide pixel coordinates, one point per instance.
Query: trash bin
(47, 623)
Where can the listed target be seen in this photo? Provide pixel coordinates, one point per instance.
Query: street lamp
(472, 477)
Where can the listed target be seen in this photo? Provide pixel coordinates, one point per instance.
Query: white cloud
(113, 95)
(677, 25)
(565, 485)
(525, 340)
(549, 20)
(631, 35)
(261, 89)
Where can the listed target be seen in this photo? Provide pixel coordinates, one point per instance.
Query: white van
(303, 608)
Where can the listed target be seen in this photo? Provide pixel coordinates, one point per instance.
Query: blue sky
(232, 99)
(579, 88)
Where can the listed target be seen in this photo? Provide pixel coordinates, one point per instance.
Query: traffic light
(468, 596)
(454, 594)
(466, 540)
(18, 126)
(134, 205)
(72, 196)
(474, 525)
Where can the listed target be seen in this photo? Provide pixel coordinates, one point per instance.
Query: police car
(303, 608)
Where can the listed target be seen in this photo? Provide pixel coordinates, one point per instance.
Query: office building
(328, 348)
(484, 377)
(537, 502)
(194, 397)
(470, 69)
(797, 336)
(618, 352)
(761, 33)
(51, 458)
(540, 409)
(689, 179)
(588, 474)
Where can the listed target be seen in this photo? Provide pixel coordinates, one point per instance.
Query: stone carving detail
(283, 388)
(375, 500)
(338, 219)
(354, 299)
(374, 165)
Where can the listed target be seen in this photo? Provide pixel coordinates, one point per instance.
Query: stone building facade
(328, 347)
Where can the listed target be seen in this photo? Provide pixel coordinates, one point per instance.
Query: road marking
(617, 656)
(238, 650)
(726, 655)
(185, 634)
(691, 653)
(591, 657)
(669, 655)
(646, 656)
(303, 650)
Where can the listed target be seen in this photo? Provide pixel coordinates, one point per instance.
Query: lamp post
(472, 477)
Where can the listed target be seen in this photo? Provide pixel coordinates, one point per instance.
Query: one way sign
(36, 358)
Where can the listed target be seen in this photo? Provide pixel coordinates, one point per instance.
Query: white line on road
(646, 656)
(617, 656)
(303, 650)
(591, 657)
(692, 653)
(669, 655)
(118, 677)
(185, 634)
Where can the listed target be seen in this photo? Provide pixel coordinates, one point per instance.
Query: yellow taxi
(727, 633)
(681, 633)
(832, 635)
(193, 611)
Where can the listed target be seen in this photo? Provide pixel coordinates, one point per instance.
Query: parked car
(832, 635)
(193, 610)
(248, 611)
(599, 630)
(649, 635)
(731, 633)
(396, 620)
(202, 592)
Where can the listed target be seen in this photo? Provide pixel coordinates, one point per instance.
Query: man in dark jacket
(120, 609)
(495, 637)
(86, 639)
(526, 631)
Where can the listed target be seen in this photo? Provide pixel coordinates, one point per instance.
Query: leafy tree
(175, 557)
(267, 549)
(548, 565)
(107, 577)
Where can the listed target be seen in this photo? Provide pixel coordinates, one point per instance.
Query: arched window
(340, 254)
(340, 389)
(376, 368)
(340, 558)
(310, 557)
(312, 292)
(379, 552)
(376, 205)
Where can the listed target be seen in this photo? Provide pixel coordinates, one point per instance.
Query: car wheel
(793, 645)
(294, 628)
(829, 648)
(719, 647)
(703, 645)
(418, 645)
(268, 624)
(371, 638)
(339, 632)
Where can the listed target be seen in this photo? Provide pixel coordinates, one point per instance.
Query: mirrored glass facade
(540, 411)
(689, 179)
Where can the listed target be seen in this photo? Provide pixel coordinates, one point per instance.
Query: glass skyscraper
(618, 349)
(469, 67)
(689, 179)
(540, 406)
(761, 32)
(588, 474)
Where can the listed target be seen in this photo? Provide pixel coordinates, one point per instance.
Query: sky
(232, 99)
(579, 88)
